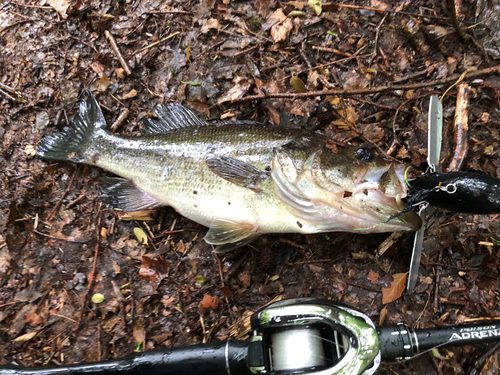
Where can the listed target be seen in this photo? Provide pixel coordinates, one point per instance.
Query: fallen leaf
(315, 5)
(33, 319)
(103, 83)
(280, 32)
(139, 334)
(395, 289)
(236, 92)
(373, 277)
(141, 235)
(226, 291)
(26, 337)
(212, 23)
(273, 19)
(297, 84)
(61, 6)
(274, 115)
(132, 93)
(154, 270)
(191, 83)
(98, 298)
(383, 315)
(209, 302)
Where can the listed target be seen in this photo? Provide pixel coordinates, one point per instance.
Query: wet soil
(79, 283)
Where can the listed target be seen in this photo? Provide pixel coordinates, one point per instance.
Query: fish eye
(364, 154)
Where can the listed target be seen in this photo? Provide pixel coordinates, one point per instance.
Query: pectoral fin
(230, 235)
(123, 195)
(237, 172)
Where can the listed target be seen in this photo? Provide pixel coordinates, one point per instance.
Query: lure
(464, 192)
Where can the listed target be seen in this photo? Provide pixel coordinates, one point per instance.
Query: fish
(241, 179)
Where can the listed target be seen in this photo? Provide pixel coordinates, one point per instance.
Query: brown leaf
(33, 319)
(209, 302)
(132, 93)
(26, 337)
(226, 291)
(61, 6)
(373, 277)
(154, 269)
(234, 93)
(383, 315)
(280, 32)
(139, 334)
(395, 290)
(373, 132)
(273, 114)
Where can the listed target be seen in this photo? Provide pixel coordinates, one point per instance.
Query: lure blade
(418, 246)
(435, 134)
(434, 140)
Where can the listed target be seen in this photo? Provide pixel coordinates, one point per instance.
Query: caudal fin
(71, 143)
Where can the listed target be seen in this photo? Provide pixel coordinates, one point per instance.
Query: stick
(120, 119)
(375, 90)
(118, 54)
(461, 127)
(62, 197)
(158, 42)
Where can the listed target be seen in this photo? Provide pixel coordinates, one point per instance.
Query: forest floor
(77, 280)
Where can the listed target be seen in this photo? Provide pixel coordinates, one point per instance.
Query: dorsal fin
(170, 117)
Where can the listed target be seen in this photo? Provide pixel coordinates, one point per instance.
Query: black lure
(464, 192)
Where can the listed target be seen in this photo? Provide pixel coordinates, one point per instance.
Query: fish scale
(240, 179)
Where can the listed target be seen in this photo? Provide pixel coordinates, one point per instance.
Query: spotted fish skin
(241, 179)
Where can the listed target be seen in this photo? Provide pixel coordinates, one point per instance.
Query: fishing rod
(305, 336)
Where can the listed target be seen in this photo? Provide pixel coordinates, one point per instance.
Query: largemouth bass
(241, 179)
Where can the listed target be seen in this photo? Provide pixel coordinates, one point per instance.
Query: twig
(237, 265)
(118, 54)
(158, 42)
(120, 119)
(76, 200)
(454, 20)
(384, 10)
(375, 90)
(332, 50)
(376, 39)
(169, 12)
(85, 43)
(62, 197)
(246, 51)
(461, 128)
(57, 238)
(322, 79)
(94, 264)
(436, 288)
(220, 267)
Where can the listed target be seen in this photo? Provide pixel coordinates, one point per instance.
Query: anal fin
(238, 172)
(123, 195)
(229, 235)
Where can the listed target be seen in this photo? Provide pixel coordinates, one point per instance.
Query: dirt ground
(79, 282)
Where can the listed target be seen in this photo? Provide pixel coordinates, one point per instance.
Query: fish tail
(73, 141)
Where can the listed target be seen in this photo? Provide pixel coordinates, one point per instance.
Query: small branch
(118, 54)
(158, 42)
(62, 197)
(385, 11)
(120, 119)
(461, 128)
(375, 90)
(332, 50)
(169, 12)
(92, 273)
(376, 39)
